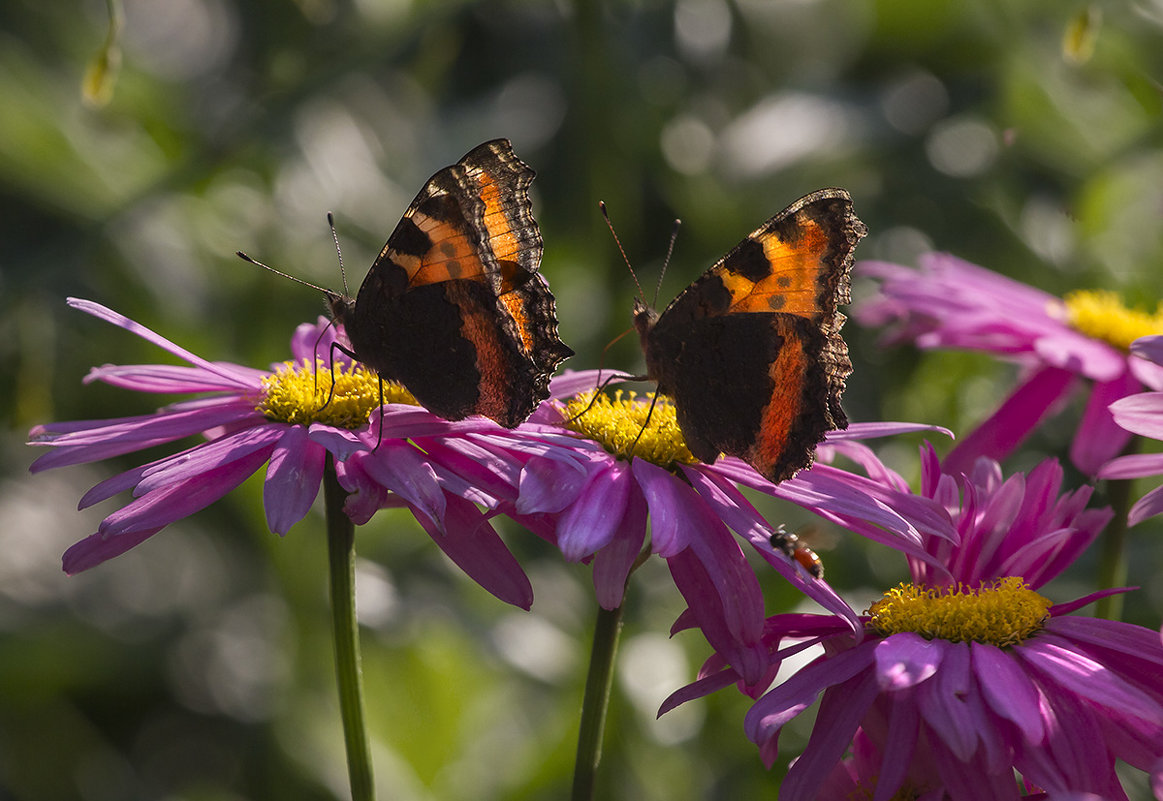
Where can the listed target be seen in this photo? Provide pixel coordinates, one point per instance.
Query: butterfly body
(750, 353)
(454, 307)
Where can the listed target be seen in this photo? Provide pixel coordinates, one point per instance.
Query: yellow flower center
(1001, 614)
(1102, 315)
(298, 394)
(620, 426)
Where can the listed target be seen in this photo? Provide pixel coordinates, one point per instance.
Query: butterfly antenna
(666, 261)
(338, 251)
(618, 242)
(258, 263)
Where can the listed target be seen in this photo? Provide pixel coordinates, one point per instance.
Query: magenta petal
(182, 498)
(1149, 348)
(841, 710)
(900, 743)
(722, 592)
(472, 470)
(549, 484)
(1006, 428)
(365, 495)
(1087, 678)
(93, 440)
(106, 489)
(1140, 414)
(340, 442)
(736, 511)
(311, 342)
(1136, 465)
(293, 477)
(120, 320)
(664, 495)
(612, 564)
(1099, 437)
(787, 700)
(947, 702)
(405, 471)
(97, 548)
(1007, 690)
(174, 379)
(590, 523)
(470, 541)
(698, 689)
(1149, 505)
(905, 660)
(144, 517)
(208, 456)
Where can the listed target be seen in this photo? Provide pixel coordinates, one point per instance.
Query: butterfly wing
(751, 352)
(454, 307)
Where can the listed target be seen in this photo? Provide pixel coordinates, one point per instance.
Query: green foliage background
(1023, 136)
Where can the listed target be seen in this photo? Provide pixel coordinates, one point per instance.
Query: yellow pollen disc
(1003, 613)
(615, 423)
(1101, 314)
(299, 395)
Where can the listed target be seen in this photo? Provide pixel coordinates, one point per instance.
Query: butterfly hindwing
(751, 352)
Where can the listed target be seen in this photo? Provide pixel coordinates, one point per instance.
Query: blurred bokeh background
(1023, 135)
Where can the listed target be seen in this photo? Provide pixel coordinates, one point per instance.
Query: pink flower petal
(405, 471)
(613, 563)
(1008, 690)
(1149, 505)
(1138, 465)
(1018, 415)
(144, 517)
(550, 483)
(175, 379)
(468, 540)
(841, 710)
(121, 321)
(591, 521)
(1088, 678)
(93, 440)
(293, 478)
(664, 495)
(208, 457)
(1099, 438)
(1140, 414)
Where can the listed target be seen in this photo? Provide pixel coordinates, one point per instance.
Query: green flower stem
(607, 631)
(341, 557)
(1112, 554)
(1112, 543)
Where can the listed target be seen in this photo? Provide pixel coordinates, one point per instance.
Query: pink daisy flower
(950, 303)
(967, 676)
(570, 482)
(280, 418)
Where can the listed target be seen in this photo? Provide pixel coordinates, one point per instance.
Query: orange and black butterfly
(751, 353)
(454, 307)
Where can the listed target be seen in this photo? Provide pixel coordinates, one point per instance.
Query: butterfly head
(645, 316)
(341, 306)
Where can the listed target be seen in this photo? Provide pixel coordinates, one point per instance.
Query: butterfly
(454, 307)
(751, 353)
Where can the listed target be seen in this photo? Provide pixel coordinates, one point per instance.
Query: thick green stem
(341, 556)
(1112, 555)
(607, 631)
